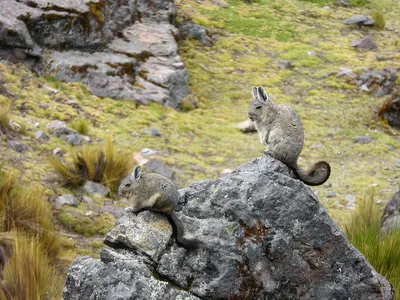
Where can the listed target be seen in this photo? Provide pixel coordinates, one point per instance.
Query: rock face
(266, 237)
(120, 49)
(390, 110)
(390, 220)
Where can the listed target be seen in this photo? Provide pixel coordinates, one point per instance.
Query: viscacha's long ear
(136, 173)
(255, 93)
(263, 95)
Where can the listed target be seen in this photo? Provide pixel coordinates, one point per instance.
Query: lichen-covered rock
(266, 237)
(104, 44)
(391, 216)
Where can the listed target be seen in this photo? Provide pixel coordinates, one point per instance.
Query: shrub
(379, 20)
(28, 274)
(96, 163)
(82, 126)
(5, 110)
(363, 231)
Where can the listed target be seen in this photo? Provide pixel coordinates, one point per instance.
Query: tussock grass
(5, 111)
(379, 19)
(25, 209)
(98, 163)
(382, 251)
(82, 126)
(28, 274)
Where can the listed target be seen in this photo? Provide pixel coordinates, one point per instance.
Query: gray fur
(158, 193)
(280, 130)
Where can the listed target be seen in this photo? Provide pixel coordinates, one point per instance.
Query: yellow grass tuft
(82, 126)
(379, 20)
(98, 163)
(5, 111)
(28, 274)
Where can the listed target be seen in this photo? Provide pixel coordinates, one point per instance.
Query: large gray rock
(359, 20)
(266, 237)
(104, 44)
(390, 220)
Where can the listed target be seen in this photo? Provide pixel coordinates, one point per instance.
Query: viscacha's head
(259, 107)
(129, 186)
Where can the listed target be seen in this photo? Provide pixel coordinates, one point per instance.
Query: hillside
(249, 42)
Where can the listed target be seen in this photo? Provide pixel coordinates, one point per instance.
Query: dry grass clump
(98, 163)
(28, 274)
(363, 231)
(25, 209)
(379, 20)
(82, 126)
(28, 242)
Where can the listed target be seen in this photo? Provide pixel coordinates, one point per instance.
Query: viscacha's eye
(258, 106)
(127, 184)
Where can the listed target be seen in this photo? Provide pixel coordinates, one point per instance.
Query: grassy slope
(250, 40)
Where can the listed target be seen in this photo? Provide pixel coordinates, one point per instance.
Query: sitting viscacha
(280, 130)
(155, 192)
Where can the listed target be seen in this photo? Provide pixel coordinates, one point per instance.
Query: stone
(18, 146)
(116, 211)
(40, 135)
(95, 189)
(148, 152)
(347, 72)
(66, 199)
(43, 105)
(397, 164)
(189, 30)
(350, 198)
(73, 103)
(362, 139)
(330, 195)
(265, 234)
(285, 64)
(124, 35)
(390, 109)
(153, 131)
(316, 146)
(58, 152)
(359, 20)
(390, 220)
(74, 139)
(56, 124)
(364, 44)
(144, 232)
(159, 167)
(246, 126)
(344, 3)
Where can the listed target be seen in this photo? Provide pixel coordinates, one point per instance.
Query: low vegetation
(98, 163)
(382, 251)
(5, 110)
(379, 20)
(82, 126)
(26, 225)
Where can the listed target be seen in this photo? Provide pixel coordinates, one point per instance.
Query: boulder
(378, 82)
(101, 44)
(18, 146)
(390, 109)
(364, 44)
(265, 234)
(390, 220)
(359, 20)
(94, 189)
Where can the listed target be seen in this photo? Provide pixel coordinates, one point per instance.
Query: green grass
(379, 20)
(382, 251)
(82, 126)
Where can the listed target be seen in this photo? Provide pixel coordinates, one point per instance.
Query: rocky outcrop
(120, 49)
(390, 220)
(266, 237)
(390, 109)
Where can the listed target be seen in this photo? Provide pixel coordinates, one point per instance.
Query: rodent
(280, 130)
(155, 192)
